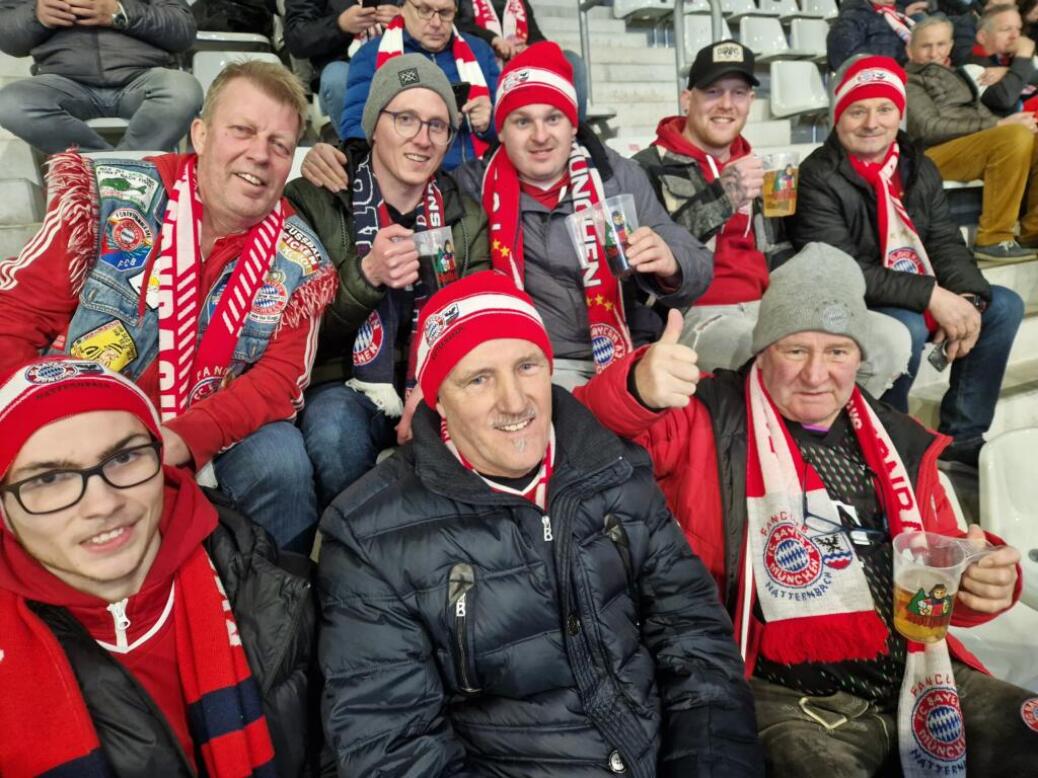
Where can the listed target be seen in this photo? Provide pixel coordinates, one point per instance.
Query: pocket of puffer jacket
(614, 530)
(461, 590)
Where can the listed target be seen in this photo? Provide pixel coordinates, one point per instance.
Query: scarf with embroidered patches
(515, 27)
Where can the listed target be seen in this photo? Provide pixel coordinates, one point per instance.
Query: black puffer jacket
(836, 206)
(273, 603)
(587, 643)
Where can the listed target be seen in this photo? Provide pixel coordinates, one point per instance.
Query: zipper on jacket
(460, 585)
(546, 523)
(121, 622)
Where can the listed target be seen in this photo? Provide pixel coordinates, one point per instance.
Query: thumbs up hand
(666, 375)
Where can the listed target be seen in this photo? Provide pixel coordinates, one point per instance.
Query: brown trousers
(1007, 159)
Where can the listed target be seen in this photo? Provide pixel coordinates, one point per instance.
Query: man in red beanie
(869, 192)
(509, 595)
(142, 630)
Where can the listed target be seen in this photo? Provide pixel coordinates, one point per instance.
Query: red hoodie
(740, 270)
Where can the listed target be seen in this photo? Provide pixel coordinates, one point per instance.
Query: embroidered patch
(368, 342)
(514, 79)
(835, 318)
(835, 552)
(937, 725)
(151, 296)
(606, 344)
(215, 293)
(127, 240)
(409, 76)
(52, 372)
(1029, 713)
(905, 260)
(790, 558)
(109, 345)
(728, 52)
(126, 185)
(208, 386)
(298, 248)
(436, 324)
(271, 299)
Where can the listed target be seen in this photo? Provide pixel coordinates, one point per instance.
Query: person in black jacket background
(872, 193)
(509, 595)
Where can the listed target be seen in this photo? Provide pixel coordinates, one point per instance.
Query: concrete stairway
(21, 193)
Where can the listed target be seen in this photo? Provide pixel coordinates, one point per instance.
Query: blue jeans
(579, 81)
(976, 379)
(50, 112)
(332, 92)
(269, 476)
(344, 432)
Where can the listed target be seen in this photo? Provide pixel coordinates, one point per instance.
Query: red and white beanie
(464, 314)
(870, 77)
(53, 388)
(540, 74)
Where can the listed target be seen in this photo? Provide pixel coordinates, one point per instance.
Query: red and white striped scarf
(515, 27)
(814, 597)
(610, 337)
(178, 268)
(899, 23)
(392, 45)
(900, 245)
(536, 491)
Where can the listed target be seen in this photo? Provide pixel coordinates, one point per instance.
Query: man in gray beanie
(790, 483)
(362, 373)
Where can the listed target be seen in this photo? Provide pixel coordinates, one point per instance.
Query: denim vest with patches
(111, 326)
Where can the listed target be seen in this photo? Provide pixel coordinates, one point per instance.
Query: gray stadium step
(21, 201)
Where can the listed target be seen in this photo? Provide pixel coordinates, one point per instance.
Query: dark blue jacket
(362, 70)
(589, 642)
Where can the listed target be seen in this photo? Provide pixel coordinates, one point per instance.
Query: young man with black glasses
(365, 364)
(426, 27)
(138, 623)
(789, 483)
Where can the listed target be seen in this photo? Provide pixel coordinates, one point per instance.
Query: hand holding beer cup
(988, 584)
(436, 265)
(781, 172)
(742, 180)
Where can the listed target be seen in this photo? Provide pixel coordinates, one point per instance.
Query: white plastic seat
(785, 10)
(1008, 499)
(953, 498)
(642, 9)
(210, 40)
(825, 9)
(628, 147)
(736, 9)
(697, 7)
(207, 64)
(808, 37)
(764, 36)
(796, 89)
(699, 33)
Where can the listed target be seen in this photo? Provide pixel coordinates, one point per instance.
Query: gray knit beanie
(408, 71)
(820, 289)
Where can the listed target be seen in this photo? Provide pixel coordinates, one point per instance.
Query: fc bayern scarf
(392, 45)
(899, 23)
(515, 27)
(375, 344)
(184, 364)
(899, 240)
(536, 491)
(610, 337)
(811, 586)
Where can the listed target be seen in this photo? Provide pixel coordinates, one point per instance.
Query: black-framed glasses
(56, 490)
(823, 527)
(408, 125)
(425, 13)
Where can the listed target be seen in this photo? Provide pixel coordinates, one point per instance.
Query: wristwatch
(976, 301)
(119, 19)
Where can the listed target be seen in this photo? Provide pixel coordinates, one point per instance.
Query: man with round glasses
(789, 483)
(426, 27)
(365, 360)
(137, 619)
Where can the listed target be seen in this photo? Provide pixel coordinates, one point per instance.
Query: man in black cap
(708, 179)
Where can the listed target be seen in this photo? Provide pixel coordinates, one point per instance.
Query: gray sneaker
(1004, 251)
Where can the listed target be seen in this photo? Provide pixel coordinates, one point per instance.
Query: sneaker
(1004, 251)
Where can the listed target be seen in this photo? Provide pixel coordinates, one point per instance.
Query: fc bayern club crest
(368, 342)
(1029, 713)
(52, 372)
(937, 725)
(791, 558)
(606, 344)
(906, 260)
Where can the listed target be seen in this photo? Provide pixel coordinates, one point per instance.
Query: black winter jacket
(465, 633)
(273, 603)
(836, 206)
(312, 31)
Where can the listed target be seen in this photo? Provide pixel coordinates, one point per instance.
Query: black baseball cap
(724, 58)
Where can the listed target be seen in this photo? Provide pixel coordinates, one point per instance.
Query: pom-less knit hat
(408, 71)
(540, 74)
(821, 289)
(48, 389)
(480, 307)
(870, 77)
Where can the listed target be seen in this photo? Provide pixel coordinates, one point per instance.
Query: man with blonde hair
(190, 275)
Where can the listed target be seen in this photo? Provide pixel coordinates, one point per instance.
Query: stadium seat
(697, 7)
(796, 89)
(699, 33)
(207, 64)
(1008, 496)
(807, 36)
(825, 9)
(642, 9)
(764, 36)
(736, 9)
(209, 40)
(628, 147)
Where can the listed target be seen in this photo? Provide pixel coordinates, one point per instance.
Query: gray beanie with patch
(408, 71)
(820, 289)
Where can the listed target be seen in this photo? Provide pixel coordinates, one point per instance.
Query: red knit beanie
(540, 74)
(480, 307)
(52, 388)
(870, 77)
